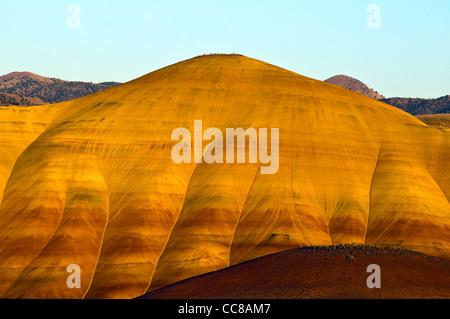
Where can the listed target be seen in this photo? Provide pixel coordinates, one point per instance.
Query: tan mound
(320, 272)
(92, 182)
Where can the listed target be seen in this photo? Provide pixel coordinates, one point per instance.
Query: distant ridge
(354, 85)
(414, 106)
(26, 88)
(7, 99)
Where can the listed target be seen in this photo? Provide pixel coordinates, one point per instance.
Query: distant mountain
(7, 99)
(354, 85)
(417, 106)
(414, 106)
(26, 88)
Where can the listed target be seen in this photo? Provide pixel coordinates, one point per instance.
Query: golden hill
(91, 181)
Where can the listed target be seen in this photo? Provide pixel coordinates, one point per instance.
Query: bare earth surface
(320, 272)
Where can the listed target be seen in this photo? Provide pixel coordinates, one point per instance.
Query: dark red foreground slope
(320, 272)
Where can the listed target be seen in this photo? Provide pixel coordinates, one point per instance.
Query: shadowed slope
(97, 187)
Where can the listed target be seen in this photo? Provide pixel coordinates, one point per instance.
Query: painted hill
(26, 88)
(320, 272)
(354, 85)
(91, 181)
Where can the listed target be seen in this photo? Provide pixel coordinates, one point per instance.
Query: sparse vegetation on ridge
(20, 89)
(217, 54)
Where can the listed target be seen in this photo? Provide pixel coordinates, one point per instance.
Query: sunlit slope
(19, 127)
(97, 186)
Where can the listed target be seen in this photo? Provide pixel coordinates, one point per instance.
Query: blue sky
(119, 40)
